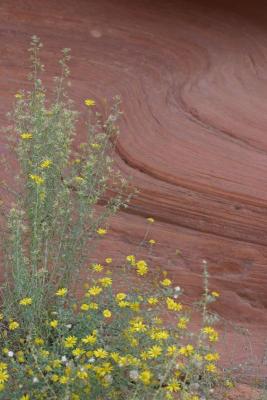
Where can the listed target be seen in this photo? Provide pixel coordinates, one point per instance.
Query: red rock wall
(193, 79)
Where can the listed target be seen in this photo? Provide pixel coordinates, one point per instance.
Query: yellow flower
(95, 145)
(107, 313)
(154, 351)
(94, 290)
(101, 231)
(131, 259)
(54, 323)
(18, 96)
(141, 267)
(26, 135)
(106, 281)
(145, 376)
(186, 350)
(182, 323)
(62, 292)
(212, 357)
(152, 301)
(54, 378)
(64, 380)
(78, 352)
(173, 386)
(100, 353)
(166, 282)
(13, 325)
(89, 102)
(90, 339)
(215, 294)
(211, 332)
(150, 220)
(137, 325)
(37, 179)
(79, 179)
(97, 267)
(82, 375)
(171, 350)
(3, 366)
(152, 241)
(84, 307)
(25, 397)
(25, 301)
(172, 305)
(39, 341)
(1, 316)
(120, 296)
(211, 368)
(108, 260)
(93, 306)
(3, 376)
(46, 164)
(70, 341)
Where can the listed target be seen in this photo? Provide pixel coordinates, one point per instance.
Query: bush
(112, 343)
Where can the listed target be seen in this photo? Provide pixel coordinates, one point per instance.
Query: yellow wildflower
(97, 267)
(37, 179)
(18, 96)
(3, 376)
(101, 231)
(182, 323)
(90, 339)
(70, 341)
(145, 376)
(82, 375)
(215, 294)
(62, 292)
(13, 325)
(53, 323)
(106, 281)
(100, 353)
(186, 350)
(166, 282)
(94, 290)
(25, 301)
(25, 397)
(150, 220)
(211, 368)
(95, 146)
(154, 351)
(78, 352)
(152, 301)
(46, 164)
(212, 357)
(171, 350)
(64, 380)
(89, 102)
(84, 307)
(107, 313)
(172, 305)
(39, 341)
(141, 267)
(120, 296)
(131, 259)
(26, 135)
(108, 260)
(173, 386)
(152, 241)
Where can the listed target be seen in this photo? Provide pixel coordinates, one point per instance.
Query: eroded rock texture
(193, 80)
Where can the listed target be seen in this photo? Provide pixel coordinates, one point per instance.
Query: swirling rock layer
(192, 77)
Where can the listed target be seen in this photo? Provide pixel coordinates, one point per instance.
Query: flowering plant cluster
(111, 344)
(108, 342)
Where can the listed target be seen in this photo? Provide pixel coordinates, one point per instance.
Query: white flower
(64, 359)
(134, 375)
(108, 378)
(68, 326)
(10, 353)
(177, 288)
(91, 360)
(35, 379)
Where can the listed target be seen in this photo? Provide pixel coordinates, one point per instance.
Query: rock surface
(193, 80)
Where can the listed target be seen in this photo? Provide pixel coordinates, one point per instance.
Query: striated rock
(193, 80)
